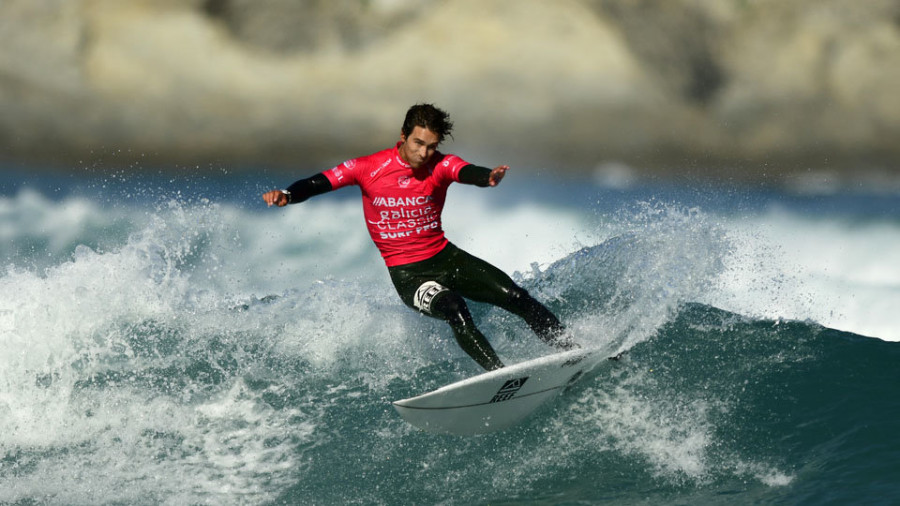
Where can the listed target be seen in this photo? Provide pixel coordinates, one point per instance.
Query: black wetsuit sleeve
(473, 174)
(309, 187)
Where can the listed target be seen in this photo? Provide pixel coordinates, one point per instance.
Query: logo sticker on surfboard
(509, 389)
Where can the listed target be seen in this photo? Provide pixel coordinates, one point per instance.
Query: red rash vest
(402, 206)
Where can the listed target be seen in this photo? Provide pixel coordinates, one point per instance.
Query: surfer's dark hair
(430, 117)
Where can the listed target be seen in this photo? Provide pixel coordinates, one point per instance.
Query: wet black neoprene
(462, 275)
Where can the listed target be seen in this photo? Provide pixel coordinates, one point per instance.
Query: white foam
(839, 274)
(513, 236)
(219, 451)
(106, 274)
(36, 231)
(80, 320)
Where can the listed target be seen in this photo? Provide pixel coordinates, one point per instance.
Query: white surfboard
(498, 399)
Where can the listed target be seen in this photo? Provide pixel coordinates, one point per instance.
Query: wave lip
(183, 356)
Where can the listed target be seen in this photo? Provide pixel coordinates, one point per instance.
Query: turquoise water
(170, 340)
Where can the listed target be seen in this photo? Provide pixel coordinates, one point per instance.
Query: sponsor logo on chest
(420, 200)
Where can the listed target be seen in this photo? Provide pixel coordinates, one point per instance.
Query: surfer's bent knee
(425, 296)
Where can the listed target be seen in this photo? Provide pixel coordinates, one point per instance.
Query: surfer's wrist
(309, 187)
(475, 175)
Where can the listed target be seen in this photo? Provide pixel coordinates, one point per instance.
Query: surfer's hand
(497, 175)
(276, 197)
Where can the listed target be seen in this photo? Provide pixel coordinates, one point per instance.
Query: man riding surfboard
(403, 190)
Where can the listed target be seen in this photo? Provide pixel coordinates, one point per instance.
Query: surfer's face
(419, 146)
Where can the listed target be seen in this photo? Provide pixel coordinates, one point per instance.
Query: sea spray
(176, 350)
(112, 366)
(626, 287)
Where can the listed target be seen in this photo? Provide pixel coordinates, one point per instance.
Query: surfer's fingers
(273, 198)
(497, 174)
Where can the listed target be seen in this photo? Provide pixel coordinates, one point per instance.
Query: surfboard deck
(499, 399)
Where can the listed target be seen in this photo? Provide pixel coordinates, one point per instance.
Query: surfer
(403, 192)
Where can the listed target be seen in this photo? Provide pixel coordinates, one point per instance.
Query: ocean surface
(170, 340)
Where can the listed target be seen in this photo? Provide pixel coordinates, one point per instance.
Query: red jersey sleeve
(447, 170)
(344, 174)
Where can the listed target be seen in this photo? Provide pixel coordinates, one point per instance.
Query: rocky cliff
(739, 89)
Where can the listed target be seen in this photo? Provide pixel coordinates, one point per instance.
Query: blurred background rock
(733, 90)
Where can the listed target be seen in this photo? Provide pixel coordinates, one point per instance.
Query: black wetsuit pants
(437, 287)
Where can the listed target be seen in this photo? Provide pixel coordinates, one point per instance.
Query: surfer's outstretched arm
(482, 176)
(299, 191)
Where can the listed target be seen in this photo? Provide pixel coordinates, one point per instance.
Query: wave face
(175, 350)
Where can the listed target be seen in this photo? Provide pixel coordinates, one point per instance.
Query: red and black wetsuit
(402, 207)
